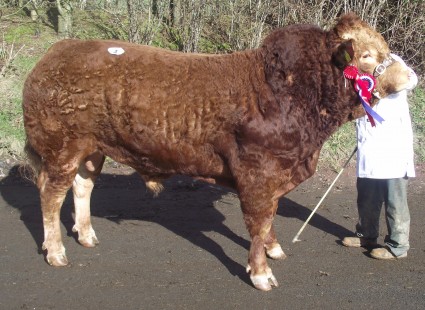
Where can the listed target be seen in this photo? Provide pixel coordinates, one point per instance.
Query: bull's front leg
(258, 216)
(258, 178)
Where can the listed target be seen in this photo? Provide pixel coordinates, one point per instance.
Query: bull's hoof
(276, 253)
(89, 243)
(55, 254)
(263, 282)
(57, 260)
(88, 240)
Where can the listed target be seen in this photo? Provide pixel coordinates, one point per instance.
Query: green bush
(36, 37)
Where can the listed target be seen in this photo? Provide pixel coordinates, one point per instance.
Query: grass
(20, 32)
(417, 111)
(338, 148)
(11, 125)
(24, 63)
(19, 39)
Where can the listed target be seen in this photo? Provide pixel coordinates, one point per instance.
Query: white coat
(386, 151)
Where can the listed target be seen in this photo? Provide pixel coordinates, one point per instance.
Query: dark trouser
(371, 194)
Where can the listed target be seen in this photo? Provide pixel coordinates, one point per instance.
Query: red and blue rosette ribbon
(364, 84)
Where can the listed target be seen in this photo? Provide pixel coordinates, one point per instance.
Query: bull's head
(366, 49)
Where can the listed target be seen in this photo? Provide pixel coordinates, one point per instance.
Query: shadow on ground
(186, 208)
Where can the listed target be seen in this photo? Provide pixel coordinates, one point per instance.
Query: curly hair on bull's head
(364, 39)
(367, 49)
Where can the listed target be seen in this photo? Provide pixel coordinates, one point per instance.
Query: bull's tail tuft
(32, 164)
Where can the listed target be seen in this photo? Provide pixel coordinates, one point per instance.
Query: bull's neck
(334, 103)
(338, 104)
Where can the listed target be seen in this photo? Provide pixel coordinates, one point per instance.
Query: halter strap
(380, 69)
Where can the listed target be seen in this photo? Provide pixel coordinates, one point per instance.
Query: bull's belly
(159, 160)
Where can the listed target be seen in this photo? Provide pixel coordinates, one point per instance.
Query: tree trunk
(133, 31)
(64, 18)
(34, 15)
(171, 17)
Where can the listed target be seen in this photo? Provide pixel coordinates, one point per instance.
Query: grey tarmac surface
(187, 249)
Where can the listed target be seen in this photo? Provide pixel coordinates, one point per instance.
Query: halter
(380, 69)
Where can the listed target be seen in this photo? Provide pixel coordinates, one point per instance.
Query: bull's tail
(32, 165)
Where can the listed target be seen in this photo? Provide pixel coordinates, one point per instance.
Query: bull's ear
(343, 54)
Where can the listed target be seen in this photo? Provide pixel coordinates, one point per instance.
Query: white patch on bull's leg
(52, 237)
(154, 187)
(263, 281)
(274, 251)
(82, 188)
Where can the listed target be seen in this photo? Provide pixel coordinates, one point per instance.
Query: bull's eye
(366, 55)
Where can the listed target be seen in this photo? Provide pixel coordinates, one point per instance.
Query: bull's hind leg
(273, 248)
(82, 187)
(153, 184)
(53, 183)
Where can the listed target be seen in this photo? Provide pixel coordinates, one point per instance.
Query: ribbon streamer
(363, 83)
(372, 115)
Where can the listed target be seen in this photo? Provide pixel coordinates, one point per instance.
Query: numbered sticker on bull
(116, 50)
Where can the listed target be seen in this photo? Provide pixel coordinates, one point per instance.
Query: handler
(384, 165)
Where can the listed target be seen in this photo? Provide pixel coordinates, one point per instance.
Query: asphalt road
(188, 248)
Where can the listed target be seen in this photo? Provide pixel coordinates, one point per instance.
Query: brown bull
(253, 120)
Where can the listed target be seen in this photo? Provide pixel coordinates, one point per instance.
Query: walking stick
(323, 198)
